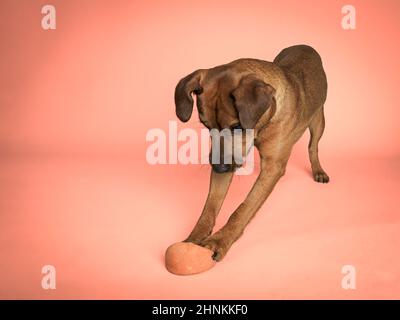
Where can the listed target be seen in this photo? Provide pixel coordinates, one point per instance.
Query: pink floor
(104, 224)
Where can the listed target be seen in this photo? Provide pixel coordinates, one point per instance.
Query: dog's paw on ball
(186, 258)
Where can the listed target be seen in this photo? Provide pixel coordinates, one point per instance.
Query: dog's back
(303, 67)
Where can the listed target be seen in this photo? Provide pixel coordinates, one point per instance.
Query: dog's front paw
(218, 245)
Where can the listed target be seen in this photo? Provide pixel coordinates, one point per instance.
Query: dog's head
(228, 101)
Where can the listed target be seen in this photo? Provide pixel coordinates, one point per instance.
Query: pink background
(76, 191)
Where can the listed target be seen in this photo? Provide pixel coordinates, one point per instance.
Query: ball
(186, 258)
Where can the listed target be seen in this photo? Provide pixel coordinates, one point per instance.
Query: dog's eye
(236, 126)
(198, 91)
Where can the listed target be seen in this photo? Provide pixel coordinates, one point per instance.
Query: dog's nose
(221, 168)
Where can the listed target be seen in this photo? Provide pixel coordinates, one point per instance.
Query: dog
(279, 100)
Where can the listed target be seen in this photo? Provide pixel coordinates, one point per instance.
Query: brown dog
(279, 100)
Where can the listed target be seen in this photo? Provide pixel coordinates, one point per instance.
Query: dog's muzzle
(222, 168)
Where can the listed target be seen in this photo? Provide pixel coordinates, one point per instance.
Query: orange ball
(185, 258)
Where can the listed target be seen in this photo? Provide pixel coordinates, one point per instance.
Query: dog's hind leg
(317, 126)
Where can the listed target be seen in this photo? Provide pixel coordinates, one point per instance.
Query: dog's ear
(183, 94)
(251, 99)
